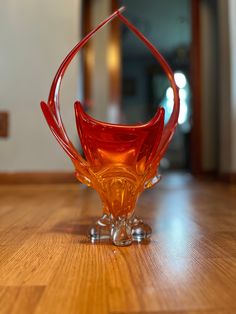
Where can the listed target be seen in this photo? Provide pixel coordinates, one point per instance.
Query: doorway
(145, 87)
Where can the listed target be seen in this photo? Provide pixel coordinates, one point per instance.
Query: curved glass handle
(51, 109)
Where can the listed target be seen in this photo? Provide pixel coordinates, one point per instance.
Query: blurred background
(118, 80)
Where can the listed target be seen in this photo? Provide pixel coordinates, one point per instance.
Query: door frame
(195, 60)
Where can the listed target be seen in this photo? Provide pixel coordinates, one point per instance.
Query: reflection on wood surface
(47, 264)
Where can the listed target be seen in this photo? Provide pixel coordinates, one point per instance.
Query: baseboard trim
(223, 177)
(37, 177)
(228, 177)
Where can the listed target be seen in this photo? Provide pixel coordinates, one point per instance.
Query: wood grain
(47, 264)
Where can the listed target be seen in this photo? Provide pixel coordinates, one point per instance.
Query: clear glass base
(122, 231)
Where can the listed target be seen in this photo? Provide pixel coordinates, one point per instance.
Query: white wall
(34, 38)
(227, 83)
(218, 84)
(232, 32)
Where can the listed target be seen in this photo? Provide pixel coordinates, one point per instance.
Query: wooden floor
(48, 266)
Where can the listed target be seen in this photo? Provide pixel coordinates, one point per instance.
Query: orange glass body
(121, 160)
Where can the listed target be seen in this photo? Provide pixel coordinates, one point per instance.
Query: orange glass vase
(121, 160)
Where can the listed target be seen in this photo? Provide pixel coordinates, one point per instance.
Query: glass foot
(101, 230)
(121, 231)
(141, 231)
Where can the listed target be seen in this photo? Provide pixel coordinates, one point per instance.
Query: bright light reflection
(169, 93)
(183, 114)
(180, 79)
(179, 229)
(183, 94)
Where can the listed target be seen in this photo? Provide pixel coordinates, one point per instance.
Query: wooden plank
(47, 264)
(19, 300)
(42, 247)
(37, 177)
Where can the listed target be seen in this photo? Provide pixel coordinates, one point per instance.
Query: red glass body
(121, 161)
